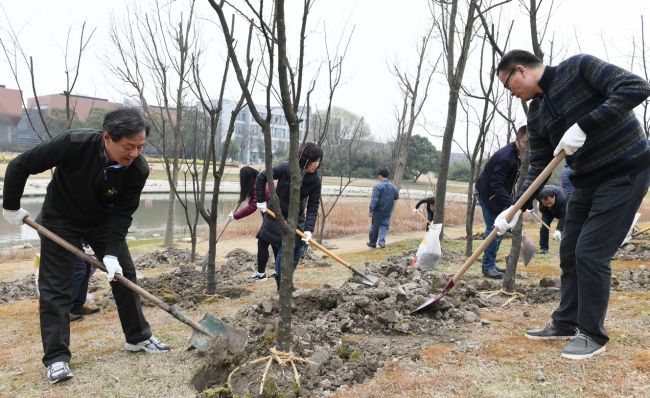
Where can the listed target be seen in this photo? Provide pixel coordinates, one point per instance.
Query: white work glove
(261, 206)
(88, 250)
(231, 215)
(557, 235)
(15, 217)
(502, 225)
(112, 267)
(571, 141)
(307, 237)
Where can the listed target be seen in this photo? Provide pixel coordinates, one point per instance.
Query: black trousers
(547, 217)
(263, 254)
(598, 219)
(55, 285)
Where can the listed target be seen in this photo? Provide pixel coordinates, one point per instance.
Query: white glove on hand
(557, 235)
(15, 217)
(231, 215)
(571, 141)
(307, 237)
(261, 206)
(112, 267)
(502, 225)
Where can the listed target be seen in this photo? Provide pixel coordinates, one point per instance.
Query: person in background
(94, 191)
(431, 204)
(583, 107)
(382, 201)
(495, 187)
(552, 204)
(247, 191)
(82, 273)
(567, 185)
(309, 160)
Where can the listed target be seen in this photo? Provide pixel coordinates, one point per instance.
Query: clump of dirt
(636, 279)
(351, 331)
(170, 257)
(22, 289)
(634, 251)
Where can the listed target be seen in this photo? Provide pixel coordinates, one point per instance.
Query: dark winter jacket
(383, 198)
(86, 188)
(558, 210)
(309, 201)
(600, 98)
(496, 182)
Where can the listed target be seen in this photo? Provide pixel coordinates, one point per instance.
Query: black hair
(521, 131)
(309, 152)
(517, 57)
(546, 192)
(125, 122)
(247, 176)
(384, 172)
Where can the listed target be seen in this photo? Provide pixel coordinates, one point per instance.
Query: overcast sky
(385, 32)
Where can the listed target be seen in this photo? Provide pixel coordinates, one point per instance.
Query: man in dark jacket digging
(584, 107)
(552, 205)
(95, 189)
(495, 187)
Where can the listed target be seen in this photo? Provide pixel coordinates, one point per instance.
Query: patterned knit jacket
(600, 97)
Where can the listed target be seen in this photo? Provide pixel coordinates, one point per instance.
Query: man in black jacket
(552, 204)
(95, 189)
(495, 192)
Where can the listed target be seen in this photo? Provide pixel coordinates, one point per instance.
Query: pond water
(151, 217)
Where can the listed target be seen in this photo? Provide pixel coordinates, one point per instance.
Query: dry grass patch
(641, 361)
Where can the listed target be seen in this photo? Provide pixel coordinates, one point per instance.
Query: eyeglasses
(505, 84)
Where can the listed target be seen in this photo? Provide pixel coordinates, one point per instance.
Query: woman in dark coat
(309, 162)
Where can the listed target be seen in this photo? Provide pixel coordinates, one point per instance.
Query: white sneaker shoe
(58, 371)
(151, 345)
(259, 276)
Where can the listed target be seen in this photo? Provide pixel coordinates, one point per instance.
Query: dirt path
(486, 358)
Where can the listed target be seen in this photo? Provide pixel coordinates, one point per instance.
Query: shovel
(209, 327)
(365, 279)
(534, 186)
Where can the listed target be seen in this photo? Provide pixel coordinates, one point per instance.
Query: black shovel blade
(365, 279)
(434, 299)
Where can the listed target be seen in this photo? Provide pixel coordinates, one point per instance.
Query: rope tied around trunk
(281, 357)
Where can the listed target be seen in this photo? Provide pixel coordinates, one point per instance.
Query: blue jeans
(543, 231)
(81, 277)
(490, 254)
(297, 254)
(598, 220)
(379, 229)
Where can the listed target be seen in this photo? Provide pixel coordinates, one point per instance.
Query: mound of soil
(170, 257)
(351, 331)
(637, 279)
(22, 289)
(634, 251)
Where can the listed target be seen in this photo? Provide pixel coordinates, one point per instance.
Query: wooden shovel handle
(132, 286)
(317, 245)
(534, 186)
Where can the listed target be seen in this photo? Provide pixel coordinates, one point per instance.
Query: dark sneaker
(151, 345)
(549, 332)
(370, 245)
(582, 347)
(492, 273)
(502, 270)
(85, 311)
(58, 371)
(543, 251)
(76, 317)
(259, 276)
(381, 245)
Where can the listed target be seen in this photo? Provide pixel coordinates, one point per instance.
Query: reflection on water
(151, 215)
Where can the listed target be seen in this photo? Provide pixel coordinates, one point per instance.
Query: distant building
(248, 134)
(80, 104)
